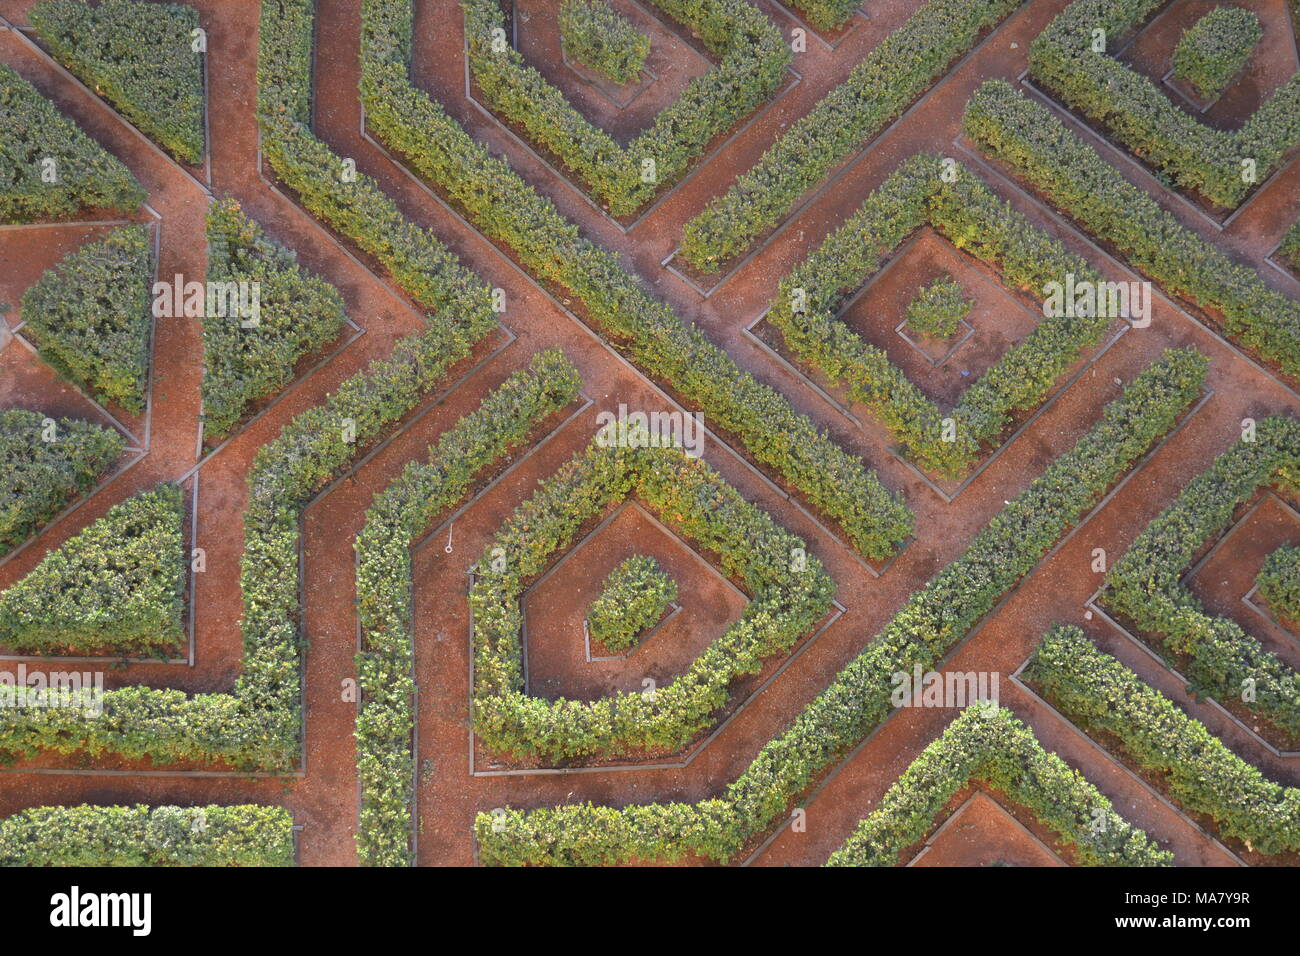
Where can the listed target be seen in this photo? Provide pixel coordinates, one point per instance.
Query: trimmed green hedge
(501, 204)
(889, 78)
(1054, 161)
(1145, 584)
(401, 513)
(753, 56)
(634, 596)
(1099, 693)
(1279, 582)
(1214, 49)
(298, 314)
(973, 218)
(826, 14)
(87, 177)
(938, 309)
(933, 621)
(138, 56)
(240, 835)
(600, 38)
(90, 316)
(117, 586)
(38, 476)
(1000, 751)
(1290, 248)
(1132, 109)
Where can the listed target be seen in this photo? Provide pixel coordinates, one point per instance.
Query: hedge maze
(439, 474)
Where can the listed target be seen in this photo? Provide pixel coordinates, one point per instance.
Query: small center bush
(633, 597)
(1279, 582)
(597, 37)
(939, 308)
(1215, 48)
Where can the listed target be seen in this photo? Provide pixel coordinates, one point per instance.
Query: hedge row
(298, 314)
(1099, 693)
(1215, 48)
(878, 90)
(634, 596)
(973, 218)
(1290, 248)
(933, 621)
(42, 468)
(827, 14)
(240, 835)
(600, 38)
(1130, 107)
(117, 586)
(86, 176)
(1000, 751)
(789, 593)
(753, 57)
(1145, 584)
(400, 514)
(90, 316)
(1069, 173)
(1279, 582)
(138, 56)
(508, 210)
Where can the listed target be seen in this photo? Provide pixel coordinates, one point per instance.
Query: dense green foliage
(1040, 149)
(90, 316)
(595, 35)
(1145, 584)
(933, 621)
(752, 59)
(241, 835)
(827, 14)
(1290, 248)
(42, 467)
(1214, 49)
(634, 596)
(85, 175)
(400, 514)
(1279, 582)
(651, 334)
(297, 314)
(1099, 693)
(879, 89)
(1131, 108)
(1001, 752)
(937, 310)
(140, 57)
(117, 586)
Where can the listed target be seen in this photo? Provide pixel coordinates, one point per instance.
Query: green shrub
(297, 314)
(401, 513)
(90, 317)
(880, 88)
(32, 130)
(1290, 248)
(598, 37)
(117, 586)
(138, 56)
(1279, 582)
(932, 622)
(753, 56)
(1214, 50)
(43, 467)
(501, 204)
(998, 750)
(1041, 150)
(1132, 109)
(1097, 692)
(827, 14)
(937, 310)
(634, 596)
(241, 835)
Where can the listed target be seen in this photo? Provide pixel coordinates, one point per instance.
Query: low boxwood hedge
(507, 209)
(1290, 248)
(44, 463)
(1099, 693)
(117, 586)
(1215, 48)
(934, 620)
(634, 596)
(298, 314)
(827, 14)
(140, 57)
(889, 78)
(90, 316)
(1038, 147)
(938, 309)
(49, 168)
(597, 36)
(996, 749)
(240, 835)
(1279, 582)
